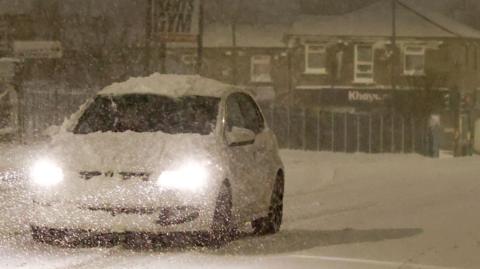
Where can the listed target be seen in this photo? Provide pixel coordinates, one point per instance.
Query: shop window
(261, 67)
(414, 61)
(189, 59)
(315, 59)
(363, 64)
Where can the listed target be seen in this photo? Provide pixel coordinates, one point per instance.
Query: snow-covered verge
(341, 211)
(13, 197)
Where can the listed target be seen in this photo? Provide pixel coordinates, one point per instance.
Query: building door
(8, 109)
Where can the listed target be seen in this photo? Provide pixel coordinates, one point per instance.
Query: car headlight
(191, 176)
(46, 173)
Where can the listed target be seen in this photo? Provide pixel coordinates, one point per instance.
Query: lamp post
(200, 36)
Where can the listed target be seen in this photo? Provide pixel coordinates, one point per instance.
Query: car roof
(171, 85)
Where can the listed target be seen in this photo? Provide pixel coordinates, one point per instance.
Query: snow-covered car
(163, 154)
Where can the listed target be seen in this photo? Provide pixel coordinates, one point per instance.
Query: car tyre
(40, 236)
(271, 224)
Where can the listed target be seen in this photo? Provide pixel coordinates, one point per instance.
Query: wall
(450, 65)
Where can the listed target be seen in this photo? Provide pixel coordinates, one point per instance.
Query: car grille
(87, 175)
(166, 216)
(120, 210)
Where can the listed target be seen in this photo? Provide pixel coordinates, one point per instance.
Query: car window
(243, 112)
(251, 113)
(234, 116)
(150, 113)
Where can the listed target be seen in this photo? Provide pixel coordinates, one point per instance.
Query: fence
(317, 130)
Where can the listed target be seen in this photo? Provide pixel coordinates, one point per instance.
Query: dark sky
(248, 10)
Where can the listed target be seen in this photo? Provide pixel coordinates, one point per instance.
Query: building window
(414, 62)
(189, 59)
(363, 64)
(261, 68)
(315, 59)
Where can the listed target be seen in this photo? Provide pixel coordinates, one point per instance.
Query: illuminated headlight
(189, 177)
(46, 173)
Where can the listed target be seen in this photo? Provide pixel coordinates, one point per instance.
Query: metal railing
(318, 130)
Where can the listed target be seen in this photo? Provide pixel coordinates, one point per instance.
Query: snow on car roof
(169, 85)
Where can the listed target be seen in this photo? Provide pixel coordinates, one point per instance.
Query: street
(342, 211)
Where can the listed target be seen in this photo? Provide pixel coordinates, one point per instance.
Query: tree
(47, 17)
(102, 40)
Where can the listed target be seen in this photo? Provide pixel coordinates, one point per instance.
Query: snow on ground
(341, 211)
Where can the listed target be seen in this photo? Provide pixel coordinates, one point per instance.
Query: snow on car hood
(129, 151)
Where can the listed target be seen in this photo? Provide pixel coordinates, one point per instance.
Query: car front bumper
(181, 218)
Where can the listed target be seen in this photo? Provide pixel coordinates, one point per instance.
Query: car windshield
(149, 113)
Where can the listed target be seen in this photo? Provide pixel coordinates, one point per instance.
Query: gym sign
(175, 20)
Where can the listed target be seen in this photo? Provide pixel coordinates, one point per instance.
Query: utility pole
(394, 66)
(201, 21)
(148, 36)
(234, 52)
(394, 45)
(234, 43)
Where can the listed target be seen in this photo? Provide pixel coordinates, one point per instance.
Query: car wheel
(271, 224)
(222, 227)
(39, 235)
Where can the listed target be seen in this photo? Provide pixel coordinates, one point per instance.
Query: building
(346, 63)
(15, 24)
(244, 54)
(353, 52)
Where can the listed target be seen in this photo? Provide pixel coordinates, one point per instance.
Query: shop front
(407, 102)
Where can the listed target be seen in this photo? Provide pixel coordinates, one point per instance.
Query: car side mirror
(240, 137)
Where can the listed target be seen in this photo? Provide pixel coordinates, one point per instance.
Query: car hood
(129, 151)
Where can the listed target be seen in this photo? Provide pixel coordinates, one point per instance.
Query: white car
(164, 154)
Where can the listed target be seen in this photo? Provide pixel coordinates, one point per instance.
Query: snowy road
(342, 211)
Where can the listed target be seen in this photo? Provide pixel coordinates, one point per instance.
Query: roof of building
(375, 20)
(15, 7)
(247, 35)
(219, 35)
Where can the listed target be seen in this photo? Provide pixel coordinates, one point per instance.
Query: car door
(261, 176)
(241, 160)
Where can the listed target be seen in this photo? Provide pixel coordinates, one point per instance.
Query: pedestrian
(435, 132)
